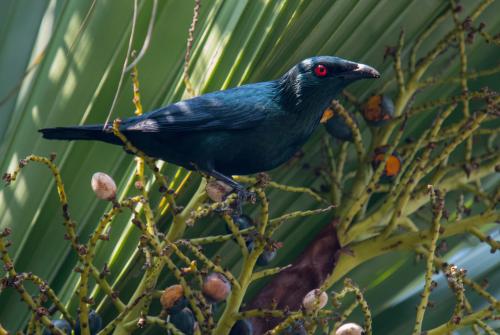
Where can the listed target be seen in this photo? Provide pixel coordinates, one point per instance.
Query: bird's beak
(361, 71)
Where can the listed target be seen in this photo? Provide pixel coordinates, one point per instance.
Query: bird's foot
(245, 195)
(224, 185)
(219, 191)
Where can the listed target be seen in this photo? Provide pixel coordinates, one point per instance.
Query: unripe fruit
(350, 329)
(314, 300)
(378, 110)
(217, 190)
(103, 186)
(216, 287)
(61, 324)
(173, 299)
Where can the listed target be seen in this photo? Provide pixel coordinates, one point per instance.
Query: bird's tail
(90, 133)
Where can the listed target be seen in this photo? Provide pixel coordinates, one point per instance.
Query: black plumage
(242, 130)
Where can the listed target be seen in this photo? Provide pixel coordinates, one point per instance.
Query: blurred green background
(60, 62)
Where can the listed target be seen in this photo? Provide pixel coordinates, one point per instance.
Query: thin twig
(124, 67)
(147, 40)
(438, 205)
(189, 46)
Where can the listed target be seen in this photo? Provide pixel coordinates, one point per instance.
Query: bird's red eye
(320, 70)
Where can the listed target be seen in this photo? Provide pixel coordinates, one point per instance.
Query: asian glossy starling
(243, 130)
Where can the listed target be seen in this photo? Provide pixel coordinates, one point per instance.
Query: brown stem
(288, 288)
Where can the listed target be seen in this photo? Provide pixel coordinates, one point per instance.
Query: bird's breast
(262, 148)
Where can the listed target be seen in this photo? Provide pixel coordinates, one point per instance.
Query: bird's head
(318, 80)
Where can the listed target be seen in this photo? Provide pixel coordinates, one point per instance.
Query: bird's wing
(238, 108)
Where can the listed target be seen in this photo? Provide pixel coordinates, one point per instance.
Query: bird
(243, 130)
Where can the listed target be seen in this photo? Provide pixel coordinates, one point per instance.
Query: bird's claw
(242, 196)
(246, 196)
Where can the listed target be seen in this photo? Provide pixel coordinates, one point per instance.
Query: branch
(438, 205)
(282, 187)
(14, 281)
(358, 140)
(369, 249)
(470, 319)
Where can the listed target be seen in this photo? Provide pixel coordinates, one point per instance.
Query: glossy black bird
(242, 130)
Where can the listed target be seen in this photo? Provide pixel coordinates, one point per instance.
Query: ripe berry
(338, 128)
(184, 321)
(242, 222)
(266, 257)
(95, 323)
(242, 327)
(173, 299)
(296, 329)
(61, 324)
(216, 287)
(378, 110)
(392, 165)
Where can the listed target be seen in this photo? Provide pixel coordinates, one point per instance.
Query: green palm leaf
(60, 62)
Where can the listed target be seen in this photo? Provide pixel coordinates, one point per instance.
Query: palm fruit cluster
(95, 325)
